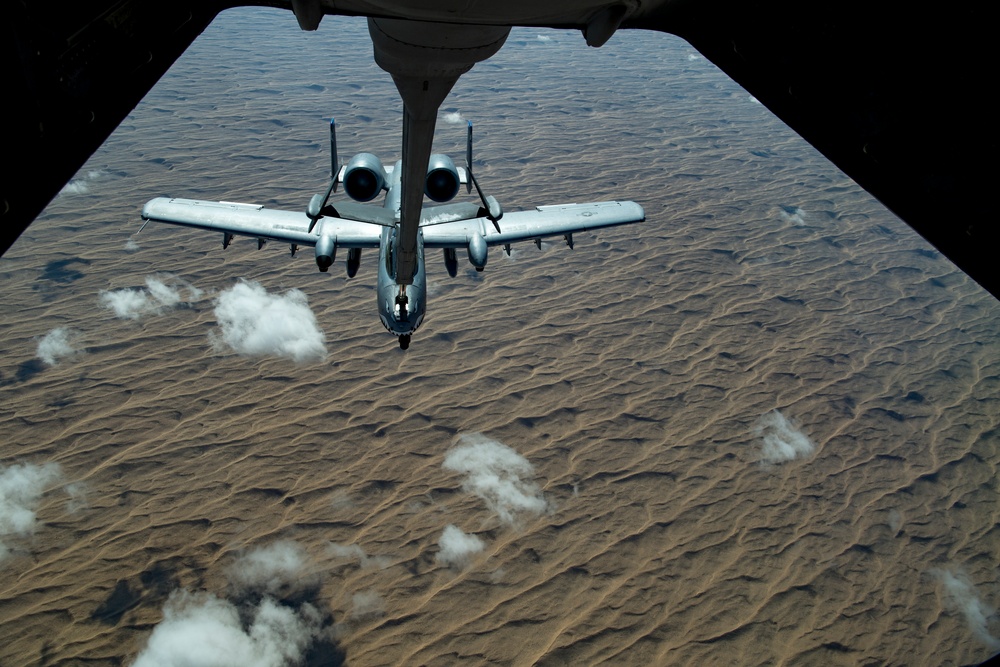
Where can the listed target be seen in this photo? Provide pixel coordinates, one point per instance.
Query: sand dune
(630, 376)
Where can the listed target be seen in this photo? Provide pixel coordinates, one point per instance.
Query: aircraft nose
(395, 323)
(401, 328)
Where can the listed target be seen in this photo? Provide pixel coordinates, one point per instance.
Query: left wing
(262, 223)
(544, 221)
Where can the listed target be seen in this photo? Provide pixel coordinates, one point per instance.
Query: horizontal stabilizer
(437, 215)
(376, 215)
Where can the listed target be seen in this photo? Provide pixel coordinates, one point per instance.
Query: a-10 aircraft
(355, 225)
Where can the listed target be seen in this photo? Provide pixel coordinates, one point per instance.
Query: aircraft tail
(468, 159)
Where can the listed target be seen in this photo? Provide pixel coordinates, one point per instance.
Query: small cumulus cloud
(21, 489)
(341, 500)
(960, 595)
(794, 215)
(457, 547)
(367, 604)
(434, 288)
(80, 185)
(279, 568)
(497, 474)
(355, 552)
(693, 57)
(131, 245)
(161, 293)
(780, 440)
(544, 39)
(453, 117)
(75, 187)
(254, 322)
(201, 630)
(269, 618)
(126, 304)
(57, 344)
(79, 499)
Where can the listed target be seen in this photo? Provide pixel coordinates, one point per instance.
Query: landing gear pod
(326, 251)
(478, 251)
(364, 177)
(442, 179)
(451, 261)
(353, 261)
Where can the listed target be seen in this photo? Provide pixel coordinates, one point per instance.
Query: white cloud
(794, 215)
(543, 38)
(75, 187)
(257, 323)
(167, 296)
(127, 304)
(367, 604)
(453, 117)
(497, 474)
(21, 488)
(200, 630)
(960, 595)
(355, 552)
(780, 440)
(341, 500)
(132, 245)
(347, 551)
(266, 622)
(79, 186)
(78, 493)
(457, 547)
(161, 293)
(57, 344)
(273, 569)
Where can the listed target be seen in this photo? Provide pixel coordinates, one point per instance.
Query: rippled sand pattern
(630, 372)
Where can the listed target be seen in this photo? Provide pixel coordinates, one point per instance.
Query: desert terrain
(760, 428)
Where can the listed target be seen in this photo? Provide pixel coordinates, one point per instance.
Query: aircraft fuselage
(400, 317)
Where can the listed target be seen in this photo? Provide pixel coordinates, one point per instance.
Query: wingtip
(640, 211)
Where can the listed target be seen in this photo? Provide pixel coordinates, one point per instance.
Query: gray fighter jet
(356, 225)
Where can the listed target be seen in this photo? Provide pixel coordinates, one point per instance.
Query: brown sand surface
(631, 373)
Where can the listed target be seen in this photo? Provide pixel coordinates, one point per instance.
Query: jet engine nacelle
(326, 251)
(364, 177)
(442, 179)
(478, 251)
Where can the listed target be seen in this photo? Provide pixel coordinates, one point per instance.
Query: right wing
(544, 221)
(262, 223)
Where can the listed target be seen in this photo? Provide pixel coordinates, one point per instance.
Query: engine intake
(364, 177)
(442, 179)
